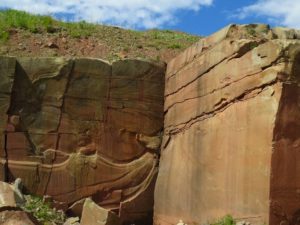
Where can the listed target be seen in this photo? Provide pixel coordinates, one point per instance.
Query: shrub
(226, 220)
(42, 211)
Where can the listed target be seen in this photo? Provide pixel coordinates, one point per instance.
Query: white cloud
(126, 13)
(281, 12)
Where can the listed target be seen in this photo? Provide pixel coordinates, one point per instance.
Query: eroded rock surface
(7, 196)
(231, 139)
(16, 217)
(68, 127)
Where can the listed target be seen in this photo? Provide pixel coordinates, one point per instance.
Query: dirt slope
(23, 34)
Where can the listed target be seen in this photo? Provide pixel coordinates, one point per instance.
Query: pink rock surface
(231, 136)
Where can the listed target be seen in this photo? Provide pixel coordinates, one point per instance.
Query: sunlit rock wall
(231, 142)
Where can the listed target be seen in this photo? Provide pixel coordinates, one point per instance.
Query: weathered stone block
(93, 214)
(230, 144)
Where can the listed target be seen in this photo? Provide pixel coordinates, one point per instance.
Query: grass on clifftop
(145, 44)
(10, 19)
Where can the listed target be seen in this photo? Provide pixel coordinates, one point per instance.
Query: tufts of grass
(251, 30)
(148, 43)
(10, 19)
(42, 211)
(169, 39)
(175, 46)
(226, 220)
(80, 29)
(22, 20)
(4, 35)
(169, 35)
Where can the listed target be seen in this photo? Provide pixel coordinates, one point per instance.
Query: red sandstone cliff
(75, 128)
(231, 140)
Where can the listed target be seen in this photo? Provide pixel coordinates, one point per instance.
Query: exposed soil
(118, 44)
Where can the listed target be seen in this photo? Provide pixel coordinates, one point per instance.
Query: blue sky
(212, 18)
(201, 17)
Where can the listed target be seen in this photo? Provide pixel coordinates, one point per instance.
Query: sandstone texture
(10, 212)
(231, 143)
(96, 215)
(70, 128)
(7, 196)
(16, 217)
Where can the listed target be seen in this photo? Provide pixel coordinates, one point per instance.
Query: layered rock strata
(72, 128)
(231, 139)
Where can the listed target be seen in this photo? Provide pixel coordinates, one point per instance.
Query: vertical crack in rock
(54, 155)
(7, 75)
(5, 169)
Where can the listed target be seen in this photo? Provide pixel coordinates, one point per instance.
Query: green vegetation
(78, 30)
(114, 38)
(172, 40)
(42, 211)
(251, 30)
(175, 46)
(226, 220)
(13, 19)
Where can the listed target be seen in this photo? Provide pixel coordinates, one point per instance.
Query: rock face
(69, 128)
(78, 128)
(231, 143)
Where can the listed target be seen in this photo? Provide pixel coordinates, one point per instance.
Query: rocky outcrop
(69, 128)
(78, 128)
(231, 139)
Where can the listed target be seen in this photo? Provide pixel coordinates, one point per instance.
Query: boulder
(96, 215)
(231, 139)
(7, 196)
(11, 194)
(16, 217)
